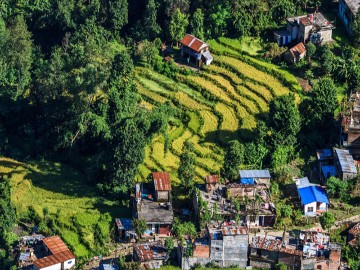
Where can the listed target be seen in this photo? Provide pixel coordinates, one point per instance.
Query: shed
(345, 164)
(258, 176)
(295, 54)
(162, 186)
(323, 154)
(194, 48)
(211, 181)
(125, 228)
(108, 266)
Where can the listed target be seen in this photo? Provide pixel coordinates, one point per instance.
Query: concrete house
(195, 50)
(154, 205)
(295, 54)
(312, 197)
(59, 256)
(345, 164)
(313, 27)
(150, 255)
(225, 245)
(347, 12)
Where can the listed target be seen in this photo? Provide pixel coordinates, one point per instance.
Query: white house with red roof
(193, 48)
(59, 258)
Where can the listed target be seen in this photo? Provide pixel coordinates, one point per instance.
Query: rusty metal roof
(162, 181)
(305, 21)
(55, 244)
(193, 43)
(212, 179)
(54, 259)
(355, 230)
(298, 50)
(150, 251)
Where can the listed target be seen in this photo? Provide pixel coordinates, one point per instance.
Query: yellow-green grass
(151, 95)
(168, 161)
(149, 163)
(230, 121)
(221, 49)
(143, 173)
(249, 45)
(194, 123)
(260, 90)
(152, 85)
(146, 105)
(210, 87)
(179, 142)
(64, 192)
(254, 73)
(203, 148)
(209, 163)
(201, 173)
(223, 71)
(175, 132)
(235, 95)
(188, 102)
(210, 122)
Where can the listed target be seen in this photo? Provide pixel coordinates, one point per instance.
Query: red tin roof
(193, 43)
(54, 259)
(298, 49)
(162, 181)
(55, 244)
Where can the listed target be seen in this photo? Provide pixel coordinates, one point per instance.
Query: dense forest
(67, 90)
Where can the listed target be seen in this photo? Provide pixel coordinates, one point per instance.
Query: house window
(69, 262)
(310, 209)
(217, 249)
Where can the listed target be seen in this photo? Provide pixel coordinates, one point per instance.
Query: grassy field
(64, 191)
(221, 102)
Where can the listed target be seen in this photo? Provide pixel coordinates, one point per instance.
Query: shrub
(327, 220)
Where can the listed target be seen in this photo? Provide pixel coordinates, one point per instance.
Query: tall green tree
(197, 24)
(284, 120)
(219, 20)
(150, 24)
(118, 13)
(234, 157)
(186, 171)
(178, 24)
(172, 5)
(15, 57)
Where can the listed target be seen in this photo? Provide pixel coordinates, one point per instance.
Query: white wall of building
(308, 211)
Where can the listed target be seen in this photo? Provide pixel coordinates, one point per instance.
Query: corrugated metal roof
(212, 179)
(353, 5)
(208, 55)
(346, 161)
(254, 174)
(313, 194)
(55, 244)
(54, 259)
(150, 251)
(162, 181)
(109, 267)
(193, 43)
(298, 50)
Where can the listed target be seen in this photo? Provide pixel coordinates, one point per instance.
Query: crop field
(221, 102)
(67, 196)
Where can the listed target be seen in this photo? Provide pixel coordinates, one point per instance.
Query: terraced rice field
(220, 103)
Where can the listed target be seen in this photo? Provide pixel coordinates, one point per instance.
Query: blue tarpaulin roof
(329, 170)
(247, 181)
(109, 267)
(312, 194)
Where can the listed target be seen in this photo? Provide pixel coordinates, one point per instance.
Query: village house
(195, 50)
(326, 167)
(258, 177)
(347, 12)
(150, 255)
(351, 125)
(211, 182)
(304, 250)
(353, 235)
(345, 164)
(58, 257)
(295, 54)
(313, 27)
(153, 205)
(312, 197)
(125, 230)
(225, 245)
(249, 200)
